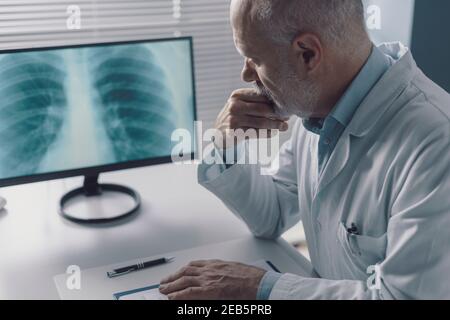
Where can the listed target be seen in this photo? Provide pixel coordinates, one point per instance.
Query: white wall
(397, 18)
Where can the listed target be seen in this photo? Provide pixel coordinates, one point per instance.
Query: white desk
(36, 243)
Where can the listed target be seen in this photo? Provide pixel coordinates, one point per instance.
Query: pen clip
(353, 230)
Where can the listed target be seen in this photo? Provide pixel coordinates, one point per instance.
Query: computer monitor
(87, 109)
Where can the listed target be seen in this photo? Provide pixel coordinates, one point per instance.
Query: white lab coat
(389, 174)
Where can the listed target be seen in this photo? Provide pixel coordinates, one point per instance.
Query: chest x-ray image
(81, 107)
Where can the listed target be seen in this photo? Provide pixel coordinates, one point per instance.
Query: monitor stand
(99, 203)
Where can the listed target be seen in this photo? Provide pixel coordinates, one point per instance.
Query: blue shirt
(331, 128)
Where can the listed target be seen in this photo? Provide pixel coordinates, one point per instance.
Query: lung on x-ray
(81, 107)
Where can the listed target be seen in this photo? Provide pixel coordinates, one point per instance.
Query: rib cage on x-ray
(124, 87)
(127, 81)
(32, 109)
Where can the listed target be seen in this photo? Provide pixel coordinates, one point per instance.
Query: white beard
(291, 102)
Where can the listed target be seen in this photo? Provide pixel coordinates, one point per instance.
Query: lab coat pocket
(361, 251)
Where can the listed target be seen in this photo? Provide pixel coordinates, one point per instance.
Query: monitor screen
(104, 106)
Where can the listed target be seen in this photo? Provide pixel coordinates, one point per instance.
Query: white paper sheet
(154, 294)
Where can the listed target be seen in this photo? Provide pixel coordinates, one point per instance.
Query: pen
(353, 229)
(138, 266)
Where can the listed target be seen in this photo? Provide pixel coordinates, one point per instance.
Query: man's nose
(248, 73)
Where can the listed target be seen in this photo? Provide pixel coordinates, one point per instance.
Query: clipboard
(135, 292)
(152, 292)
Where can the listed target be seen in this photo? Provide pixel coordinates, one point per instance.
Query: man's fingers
(179, 285)
(257, 109)
(203, 263)
(192, 293)
(185, 271)
(260, 123)
(249, 95)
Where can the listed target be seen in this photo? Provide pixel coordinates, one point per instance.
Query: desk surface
(36, 243)
(94, 283)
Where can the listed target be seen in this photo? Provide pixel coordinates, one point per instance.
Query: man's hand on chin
(213, 280)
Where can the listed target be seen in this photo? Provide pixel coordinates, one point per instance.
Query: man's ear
(308, 51)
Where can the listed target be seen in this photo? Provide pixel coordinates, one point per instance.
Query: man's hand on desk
(213, 280)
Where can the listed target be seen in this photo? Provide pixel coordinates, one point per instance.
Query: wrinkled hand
(213, 280)
(247, 109)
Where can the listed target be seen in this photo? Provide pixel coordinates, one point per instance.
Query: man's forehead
(246, 46)
(242, 16)
(240, 8)
(249, 35)
(247, 38)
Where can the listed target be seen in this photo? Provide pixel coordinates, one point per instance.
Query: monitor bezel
(95, 170)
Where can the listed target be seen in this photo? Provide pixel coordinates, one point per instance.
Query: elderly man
(367, 169)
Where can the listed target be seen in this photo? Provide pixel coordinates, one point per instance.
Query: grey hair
(338, 22)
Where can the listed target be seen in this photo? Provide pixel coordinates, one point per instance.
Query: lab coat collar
(377, 102)
(388, 88)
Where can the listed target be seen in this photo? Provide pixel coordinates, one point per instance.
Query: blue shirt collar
(377, 64)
